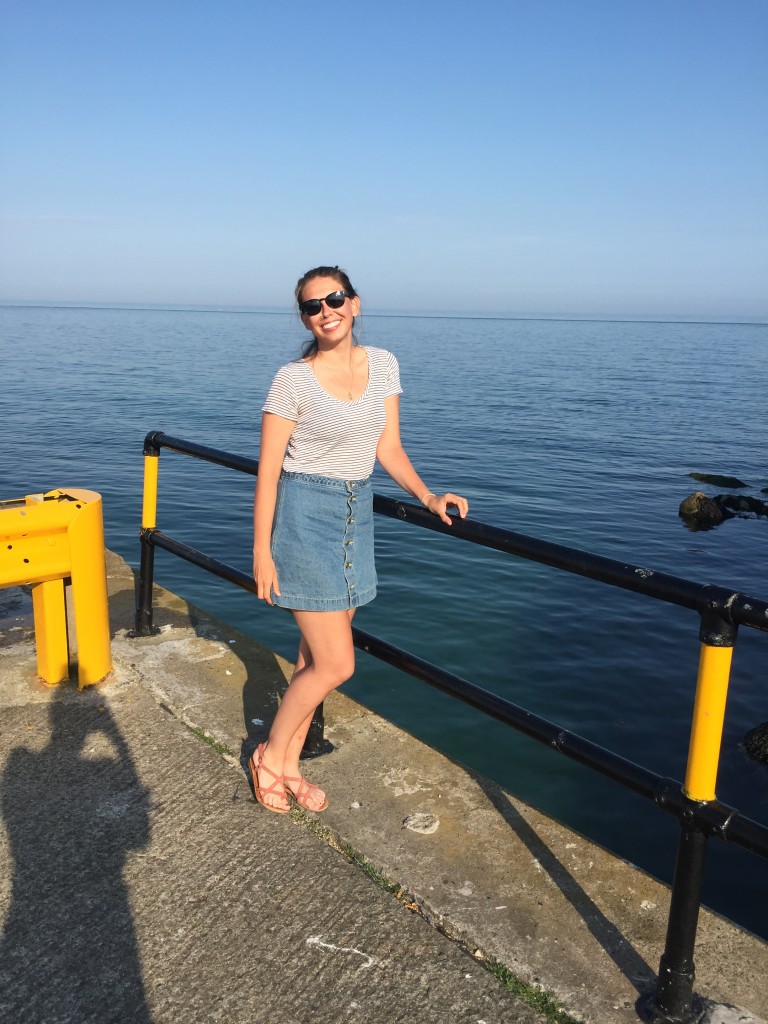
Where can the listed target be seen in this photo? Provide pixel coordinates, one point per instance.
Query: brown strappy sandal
(271, 790)
(301, 794)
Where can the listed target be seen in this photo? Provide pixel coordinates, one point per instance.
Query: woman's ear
(355, 304)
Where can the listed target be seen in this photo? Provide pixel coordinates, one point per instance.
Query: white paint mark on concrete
(396, 779)
(426, 824)
(467, 889)
(726, 1013)
(504, 907)
(316, 940)
(647, 905)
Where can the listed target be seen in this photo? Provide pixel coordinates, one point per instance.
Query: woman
(328, 416)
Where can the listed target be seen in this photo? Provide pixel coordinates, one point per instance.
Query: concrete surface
(165, 892)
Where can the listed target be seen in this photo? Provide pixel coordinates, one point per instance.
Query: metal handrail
(715, 818)
(694, 803)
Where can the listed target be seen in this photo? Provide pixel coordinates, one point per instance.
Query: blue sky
(551, 156)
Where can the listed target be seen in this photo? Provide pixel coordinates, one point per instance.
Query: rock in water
(742, 505)
(756, 743)
(718, 481)
(698, 508)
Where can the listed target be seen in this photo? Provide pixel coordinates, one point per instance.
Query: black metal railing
(722, 611)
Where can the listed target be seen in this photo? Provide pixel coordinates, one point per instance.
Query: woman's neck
(341, 354)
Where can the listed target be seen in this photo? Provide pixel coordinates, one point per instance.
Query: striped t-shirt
(333, 437)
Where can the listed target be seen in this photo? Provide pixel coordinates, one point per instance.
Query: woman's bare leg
(303, 659)
(327, 659)
(291, 767)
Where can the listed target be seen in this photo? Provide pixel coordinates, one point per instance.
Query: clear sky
(551, 156)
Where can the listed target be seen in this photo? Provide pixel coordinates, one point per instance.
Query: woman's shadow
(72, 811)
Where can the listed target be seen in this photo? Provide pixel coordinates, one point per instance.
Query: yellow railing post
(149, 504)
(708, 719)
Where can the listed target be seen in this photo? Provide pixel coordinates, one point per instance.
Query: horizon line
(760, 321)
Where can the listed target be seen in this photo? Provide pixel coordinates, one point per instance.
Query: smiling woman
(328, 417)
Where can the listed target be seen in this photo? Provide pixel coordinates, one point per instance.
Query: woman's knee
(342, 669)
(327, 647)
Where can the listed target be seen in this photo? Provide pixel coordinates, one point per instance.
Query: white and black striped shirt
(333, 437)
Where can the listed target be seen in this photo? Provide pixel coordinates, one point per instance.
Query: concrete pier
(139, 880)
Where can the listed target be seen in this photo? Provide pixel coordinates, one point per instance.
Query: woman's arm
(394, 459)
(275, 434)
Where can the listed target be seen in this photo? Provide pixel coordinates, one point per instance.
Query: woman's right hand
(265, 577)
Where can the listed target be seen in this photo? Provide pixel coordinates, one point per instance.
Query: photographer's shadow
(71, 812)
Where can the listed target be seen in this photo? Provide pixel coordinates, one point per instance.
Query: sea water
(578, 432)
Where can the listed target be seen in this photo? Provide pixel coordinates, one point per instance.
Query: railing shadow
(624, 955)
(71, 812)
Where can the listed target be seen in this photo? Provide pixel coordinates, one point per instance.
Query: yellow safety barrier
(46, 539)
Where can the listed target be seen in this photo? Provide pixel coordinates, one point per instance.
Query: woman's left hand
(440, 503)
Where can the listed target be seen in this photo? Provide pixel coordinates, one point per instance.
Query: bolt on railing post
(674, 1001)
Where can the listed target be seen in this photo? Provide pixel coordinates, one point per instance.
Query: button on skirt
(322, 543)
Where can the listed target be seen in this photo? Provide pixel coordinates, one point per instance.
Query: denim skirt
(322, 543)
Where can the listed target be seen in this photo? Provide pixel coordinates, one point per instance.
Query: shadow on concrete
(72, 811)
(631, 964)
(259, 708)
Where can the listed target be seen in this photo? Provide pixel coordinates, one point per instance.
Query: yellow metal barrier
(46, 539)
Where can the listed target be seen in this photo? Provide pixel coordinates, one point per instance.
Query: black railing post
(143, 625)
(316, 744)
(674, 1002)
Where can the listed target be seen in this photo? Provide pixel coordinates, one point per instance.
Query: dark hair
(338, 275)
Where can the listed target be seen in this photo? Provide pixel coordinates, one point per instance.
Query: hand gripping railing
(693, 803)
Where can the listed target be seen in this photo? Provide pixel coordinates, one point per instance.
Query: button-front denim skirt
(322, 543)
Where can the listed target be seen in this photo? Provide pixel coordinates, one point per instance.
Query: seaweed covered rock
(741, 504)
(718, 481)
(698, 509)
(702, 513)
(756, 743)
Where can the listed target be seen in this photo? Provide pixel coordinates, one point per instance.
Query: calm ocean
(579, 432)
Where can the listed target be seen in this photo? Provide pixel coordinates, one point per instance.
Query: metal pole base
(133, 634)
(648, 1010)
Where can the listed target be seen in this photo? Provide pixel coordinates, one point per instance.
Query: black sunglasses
(311, 307)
